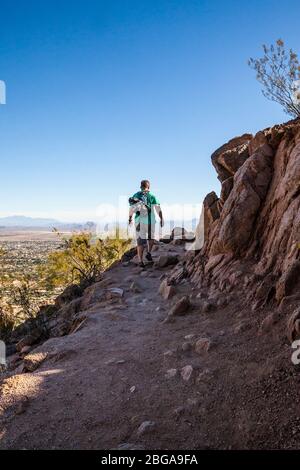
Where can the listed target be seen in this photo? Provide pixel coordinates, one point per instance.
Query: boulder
(29, 339)
(180, 307)
(190, 336)
(98, 292)
(202, 345)
(135, 287)
(145, 427)
(227, 186)
(171, 373)
(166, 239)
(166, 260)
(114, 293)
(211, 212)
(178, 233)
(25, 350)
(231, 156)
(258, 141)
(166, 291)
(92, 295)
(70, 293)
(128, 255)
(293, 326)
(187, 346)
(187, 372)
(240, 210)
(289, 281)
(178, 242)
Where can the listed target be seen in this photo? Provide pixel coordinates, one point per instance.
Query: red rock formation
(252, 232)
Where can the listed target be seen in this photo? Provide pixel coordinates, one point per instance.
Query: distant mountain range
(23, 222)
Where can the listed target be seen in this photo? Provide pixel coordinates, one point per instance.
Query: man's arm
(160, 214)
(131, 212)
(133, 206)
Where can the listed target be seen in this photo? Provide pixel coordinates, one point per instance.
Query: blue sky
(103, 93)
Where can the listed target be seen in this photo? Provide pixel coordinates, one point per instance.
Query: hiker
(144, 204)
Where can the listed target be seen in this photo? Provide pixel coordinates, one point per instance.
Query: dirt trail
(97, 386)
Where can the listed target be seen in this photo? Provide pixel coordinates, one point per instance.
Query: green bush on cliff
(7, 321)
(81, 259)
(18, 302)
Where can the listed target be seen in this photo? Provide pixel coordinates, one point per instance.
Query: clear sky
(103, 93)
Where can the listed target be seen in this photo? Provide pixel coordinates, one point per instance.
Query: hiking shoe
(149, 257)
(141, 264)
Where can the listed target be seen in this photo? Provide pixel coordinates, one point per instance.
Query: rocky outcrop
(239, 212)
(252, 231)
(231, 156)
(211, 212)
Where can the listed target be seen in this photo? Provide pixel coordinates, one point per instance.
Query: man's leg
(141, 242)
(150, 241)
(140, 252)
(150, 244)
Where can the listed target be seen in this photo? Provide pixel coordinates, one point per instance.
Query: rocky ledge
(252, 231)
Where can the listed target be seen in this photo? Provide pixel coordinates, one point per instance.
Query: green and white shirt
(145, 212)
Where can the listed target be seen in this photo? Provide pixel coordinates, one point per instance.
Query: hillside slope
(195, 355)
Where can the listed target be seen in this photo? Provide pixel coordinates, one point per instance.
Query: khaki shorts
(144, 232)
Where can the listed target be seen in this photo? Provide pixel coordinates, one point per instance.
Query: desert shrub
(23, 295)
(7, 321)
(81, 259)
(18, 303)
(7, 318)
(18, 298)
(278, 71)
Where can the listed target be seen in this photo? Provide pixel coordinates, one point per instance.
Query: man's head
(145, 185)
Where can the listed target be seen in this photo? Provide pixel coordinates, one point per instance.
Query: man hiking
(144, 204)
